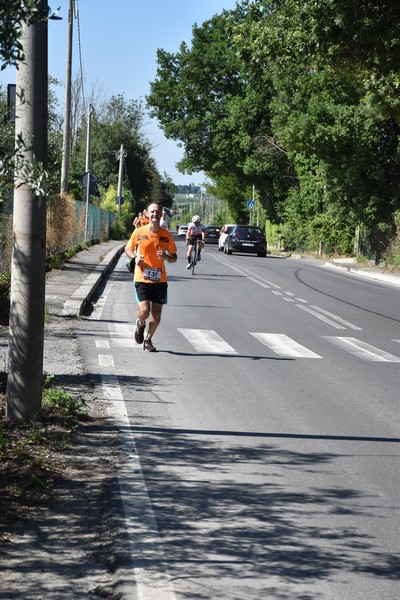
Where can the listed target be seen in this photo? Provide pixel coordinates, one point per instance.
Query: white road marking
(207, 340)
(338, 319)
(277, 293)
(289, 300)
(121, 330)
(320, 316)
(248, 274)
(125, 343)
(284, 346)
(261, 283)
(111, 387)
(121, 335)
(106, 360)
(140, 523)
(102, 343)
(362, 349)
(270, 283)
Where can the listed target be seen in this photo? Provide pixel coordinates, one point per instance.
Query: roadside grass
(31, 453)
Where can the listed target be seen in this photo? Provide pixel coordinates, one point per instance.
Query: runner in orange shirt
(150, 246)
(144, 219)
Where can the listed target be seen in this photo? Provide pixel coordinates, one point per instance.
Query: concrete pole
(120, 175)
(67, 108)
(28, 268)
(87, 169)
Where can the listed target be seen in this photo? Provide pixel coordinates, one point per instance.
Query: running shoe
(188, 266)
(139, 332)
(148, 346)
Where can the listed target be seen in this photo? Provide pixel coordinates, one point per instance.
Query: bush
(118, 230)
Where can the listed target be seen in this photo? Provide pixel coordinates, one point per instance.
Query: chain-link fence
(67, 226)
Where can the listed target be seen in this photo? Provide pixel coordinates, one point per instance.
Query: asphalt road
(263, 436)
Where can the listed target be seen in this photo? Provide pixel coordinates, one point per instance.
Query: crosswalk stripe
(207, 340)
(362, 349)
(284, 346)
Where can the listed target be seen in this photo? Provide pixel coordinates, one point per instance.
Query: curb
(386, 277)
(355, 270)
(74, 306)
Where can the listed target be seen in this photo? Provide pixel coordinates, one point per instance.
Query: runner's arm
(171, 258)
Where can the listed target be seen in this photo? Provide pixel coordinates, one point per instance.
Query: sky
(119, 41)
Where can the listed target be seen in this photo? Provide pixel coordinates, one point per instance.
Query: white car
(183, 229)
(225, 231)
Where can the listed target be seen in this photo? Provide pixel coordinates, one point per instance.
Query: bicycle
(194, 255)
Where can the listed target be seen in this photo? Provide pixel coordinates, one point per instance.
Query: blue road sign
(250, 204)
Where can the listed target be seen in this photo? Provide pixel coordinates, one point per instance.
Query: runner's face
(154, 213)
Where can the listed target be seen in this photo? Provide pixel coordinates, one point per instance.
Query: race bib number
(153, 274)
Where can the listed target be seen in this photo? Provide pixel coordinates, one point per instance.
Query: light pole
(121, 156)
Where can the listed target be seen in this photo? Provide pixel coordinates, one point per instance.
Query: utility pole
(67, 108)
(28, 268)
(121, 157)
(87, 168)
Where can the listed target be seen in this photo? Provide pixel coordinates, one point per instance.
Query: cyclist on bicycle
(195, 231)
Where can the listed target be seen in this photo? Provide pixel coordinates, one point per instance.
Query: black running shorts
(152, 292)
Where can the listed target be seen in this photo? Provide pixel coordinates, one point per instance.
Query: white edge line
(140, 522)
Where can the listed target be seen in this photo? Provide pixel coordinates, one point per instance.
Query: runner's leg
(155, 319)
(143, 311)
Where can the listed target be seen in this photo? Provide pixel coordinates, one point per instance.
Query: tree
(331, 64)
(203, 98)
(119, 123)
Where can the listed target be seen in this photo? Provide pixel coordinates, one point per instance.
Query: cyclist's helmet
(196, 219)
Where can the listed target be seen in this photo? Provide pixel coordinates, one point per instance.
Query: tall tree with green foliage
(335, 71)
(203, 98)
(120, 122)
